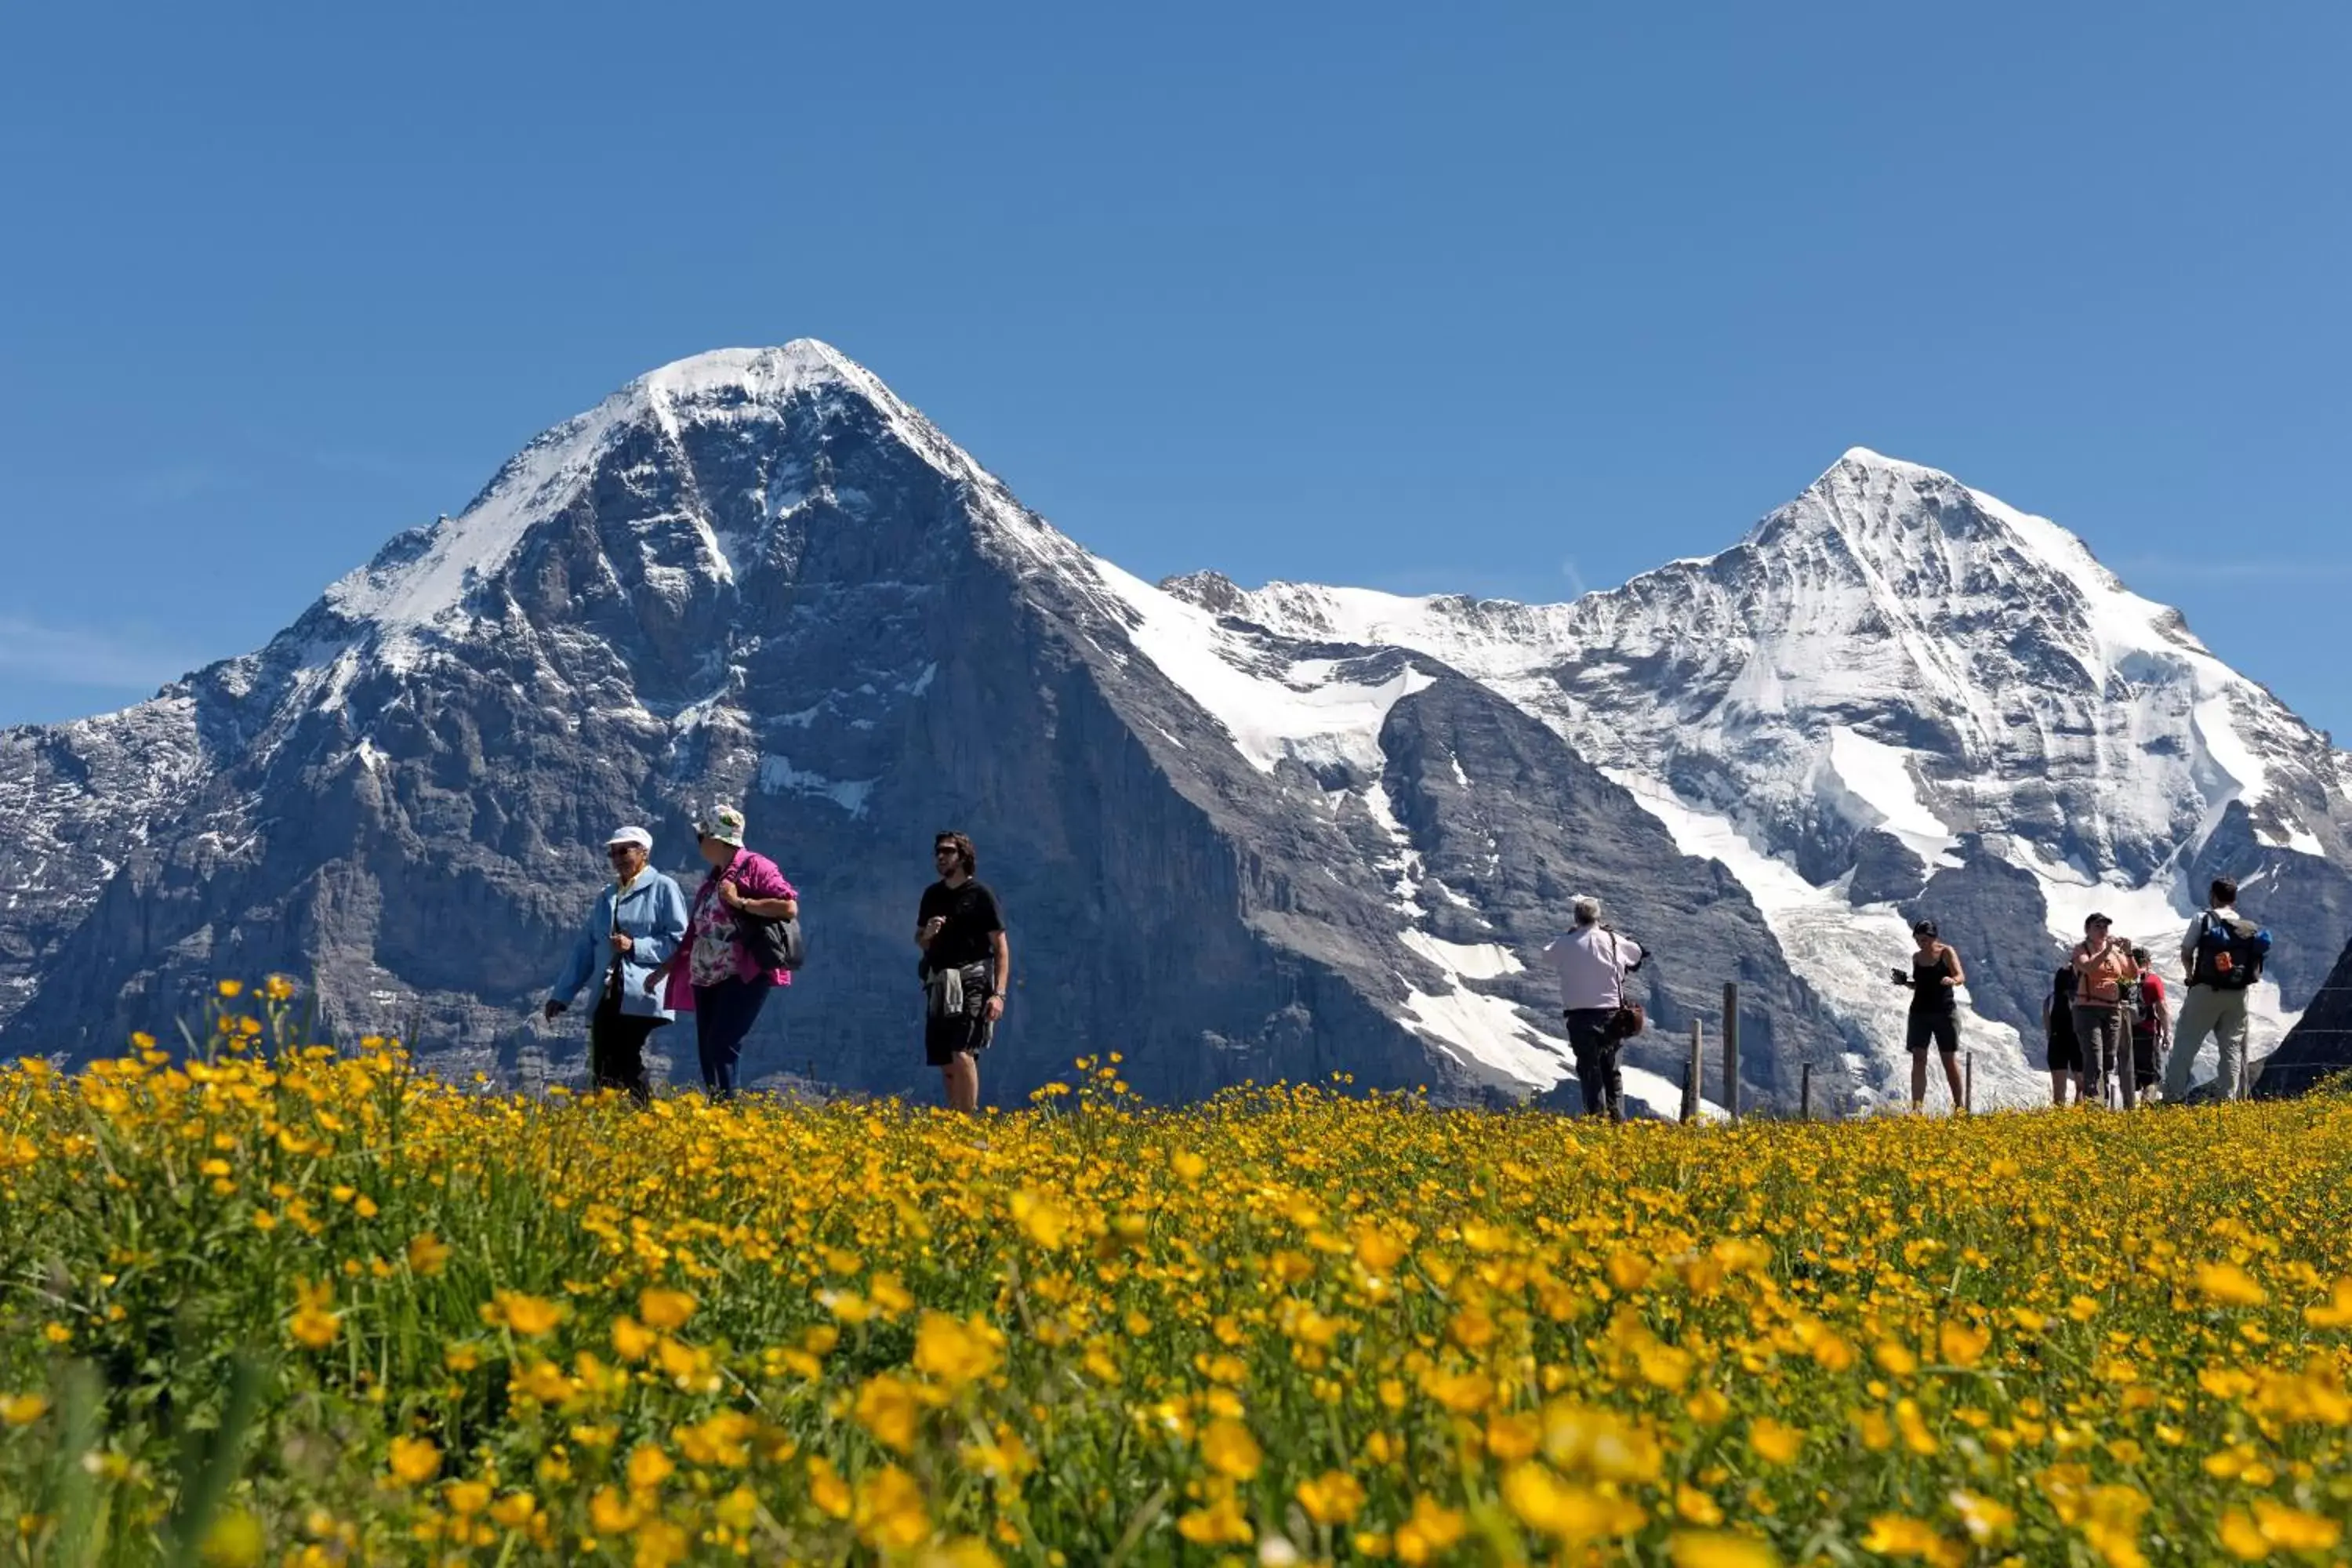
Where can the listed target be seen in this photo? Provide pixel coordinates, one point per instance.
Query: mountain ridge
(736, 573)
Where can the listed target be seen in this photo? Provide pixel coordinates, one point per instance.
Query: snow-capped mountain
(1240, 834)
(1898, 696)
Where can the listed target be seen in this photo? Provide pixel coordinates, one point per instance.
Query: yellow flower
(1897, 1535)
(1962, 1345)
(23, 1409)
(1552, 1506)
(887, 1408)
(649, 1467)
(1230, 1450)
(1334, 1496)
(1510, 1438)
(414, 1460)
(2337, 1313)
(1220, 1523)
(1774, 1442)
(1429, 1533)
(1708, 1407)
(889, 1514)
(313, 1326)
(2227, 1285)
(1041, 1219)
(1377, 1250)
(2292, 1530)
(2240, 1538)
(1581, 1440)
(1718, 1549)
(1629, 1270)
(663, 1308)
(632, 1341)
(955, 1352)
(427, 1255)
(515, 1510)
(1697, 1507)
(1463, 1392)
(827, 1489)
(234, 1540)
(530, 1316)
(610, 1513)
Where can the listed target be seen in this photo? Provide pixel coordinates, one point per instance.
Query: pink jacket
(755, 877)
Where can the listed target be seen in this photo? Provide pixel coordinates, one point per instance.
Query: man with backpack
(2224, 953)
(1592, 961)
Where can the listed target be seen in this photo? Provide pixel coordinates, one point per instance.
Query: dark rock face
(1885, 870)
(1528, 824)
(2319, 1050)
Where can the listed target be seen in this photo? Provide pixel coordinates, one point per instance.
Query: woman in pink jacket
(714, 973)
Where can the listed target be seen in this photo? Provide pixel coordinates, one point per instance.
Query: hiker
(2058, 1028)
(719, 972)
(638, 921)
(1592, 961)
(1935, 978)
(2103, 967)
(966, 965)
(2151, 1022)
(2224, 954)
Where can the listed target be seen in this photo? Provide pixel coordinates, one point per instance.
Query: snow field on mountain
(1879, 777)
(1273, 708)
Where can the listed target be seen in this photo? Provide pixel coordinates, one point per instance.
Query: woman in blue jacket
(637, 923)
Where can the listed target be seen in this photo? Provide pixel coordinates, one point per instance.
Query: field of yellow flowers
(315, 1307)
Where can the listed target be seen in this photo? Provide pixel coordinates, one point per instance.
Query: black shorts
(2065, 1052)
(1943, 1028)
(949, 1034)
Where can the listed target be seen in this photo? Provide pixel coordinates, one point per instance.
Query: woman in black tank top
(1935, 979)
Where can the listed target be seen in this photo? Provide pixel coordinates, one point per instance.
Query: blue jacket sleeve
(583, 962)
(669, 925)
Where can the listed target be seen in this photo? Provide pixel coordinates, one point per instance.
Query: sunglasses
(620, 851)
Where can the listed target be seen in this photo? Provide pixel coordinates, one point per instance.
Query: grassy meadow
(295, 1306)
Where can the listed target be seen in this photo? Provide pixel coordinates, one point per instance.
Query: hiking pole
(1805, 1092)
(1968, 1085)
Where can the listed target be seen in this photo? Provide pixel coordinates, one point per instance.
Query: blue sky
(1505, 299)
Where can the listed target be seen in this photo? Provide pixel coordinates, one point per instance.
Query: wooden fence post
(1731, 1048)
(1694, 1072)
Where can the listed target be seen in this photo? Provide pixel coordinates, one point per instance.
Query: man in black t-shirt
(967, 964)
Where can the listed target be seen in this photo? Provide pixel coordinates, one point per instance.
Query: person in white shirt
(1592, 963)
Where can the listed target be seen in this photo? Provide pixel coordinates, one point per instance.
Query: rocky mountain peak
(758, 574)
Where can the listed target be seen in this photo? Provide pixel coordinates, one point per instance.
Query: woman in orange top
(2103, 966)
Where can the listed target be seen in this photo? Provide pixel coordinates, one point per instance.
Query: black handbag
(773, 944)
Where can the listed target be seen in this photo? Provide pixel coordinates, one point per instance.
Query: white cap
(637, 835)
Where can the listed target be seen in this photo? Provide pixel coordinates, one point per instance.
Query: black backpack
(2229, 952)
